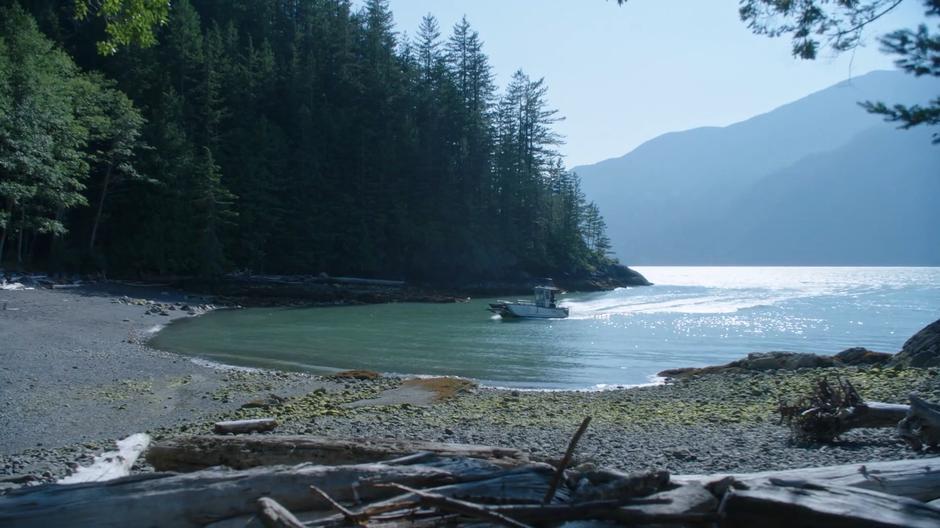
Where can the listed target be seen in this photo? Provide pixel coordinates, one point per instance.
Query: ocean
(692, 316)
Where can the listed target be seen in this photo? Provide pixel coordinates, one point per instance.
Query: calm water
(692, 317)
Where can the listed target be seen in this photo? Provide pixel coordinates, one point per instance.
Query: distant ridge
(814, 182)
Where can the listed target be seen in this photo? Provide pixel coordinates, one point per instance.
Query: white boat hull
(527, 311)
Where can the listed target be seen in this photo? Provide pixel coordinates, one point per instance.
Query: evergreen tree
(291, 136)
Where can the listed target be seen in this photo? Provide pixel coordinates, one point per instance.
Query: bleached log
(112, 464)
(273, 515)
(245, 426)
(240, 452)
(913, 478)
(875, 414)
(921, 425)
(196, 499)
(773, 503)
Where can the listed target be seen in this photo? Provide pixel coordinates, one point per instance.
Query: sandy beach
(76, 375)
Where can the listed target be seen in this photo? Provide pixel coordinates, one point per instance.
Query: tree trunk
(100, 208)
(19, 238)
(241, 452)
(6, 228)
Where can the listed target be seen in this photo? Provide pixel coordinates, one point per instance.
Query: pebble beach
(76, 375)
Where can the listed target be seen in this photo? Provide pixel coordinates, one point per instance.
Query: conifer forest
(283, 136)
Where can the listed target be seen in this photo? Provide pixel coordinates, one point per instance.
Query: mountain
(816, 182)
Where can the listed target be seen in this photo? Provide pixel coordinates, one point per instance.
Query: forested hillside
(279, 137)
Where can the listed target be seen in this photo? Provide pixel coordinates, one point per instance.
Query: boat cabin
(545, 296)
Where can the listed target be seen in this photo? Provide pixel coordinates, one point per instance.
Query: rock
(858, 356)
(921, 350)
(782, 361)
(759, 362)
(682, 372)
(357, 374)
(270, 400)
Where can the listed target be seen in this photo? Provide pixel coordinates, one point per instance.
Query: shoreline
(76, 377)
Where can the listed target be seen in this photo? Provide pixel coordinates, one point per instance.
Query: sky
(624, 75)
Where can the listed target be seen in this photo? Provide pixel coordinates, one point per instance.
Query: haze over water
(693, 316)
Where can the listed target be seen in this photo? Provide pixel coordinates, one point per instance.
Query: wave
(726, 290)
(621, 303)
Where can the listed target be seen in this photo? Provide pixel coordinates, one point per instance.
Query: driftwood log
(775, 502)
(258, 425)
(917, 479)
(921, 426)
(372, 494)
(192, 453)
(835, 408)
(197, 499)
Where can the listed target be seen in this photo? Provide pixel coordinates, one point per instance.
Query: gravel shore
(75, 376)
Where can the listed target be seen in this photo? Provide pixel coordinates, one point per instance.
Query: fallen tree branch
(349, 515)
(560, 471)
(458, 506)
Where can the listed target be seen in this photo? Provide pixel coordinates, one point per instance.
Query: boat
(544, 306)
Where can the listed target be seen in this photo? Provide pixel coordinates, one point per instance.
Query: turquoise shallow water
(693, 316)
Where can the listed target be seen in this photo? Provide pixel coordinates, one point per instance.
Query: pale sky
(623, 75)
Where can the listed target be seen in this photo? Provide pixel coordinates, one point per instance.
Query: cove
(691, 317)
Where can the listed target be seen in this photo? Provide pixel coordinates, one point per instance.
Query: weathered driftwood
(273, 515)
(688, 504)
(473, 490)
(921, 425)
(196, 499)
(259, 425)
(835, 408)
(914, 478)
(462, 507)
(525, 485)
(191, 453)
(112, 464)
(616, 485)
(774, 502)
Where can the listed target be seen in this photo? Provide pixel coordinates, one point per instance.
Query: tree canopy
(283, 136)
(126, 21)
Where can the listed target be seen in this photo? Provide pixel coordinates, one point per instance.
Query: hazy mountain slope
(662, 200)
(872, 201)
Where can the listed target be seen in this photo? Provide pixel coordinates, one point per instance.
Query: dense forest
(282, 136)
